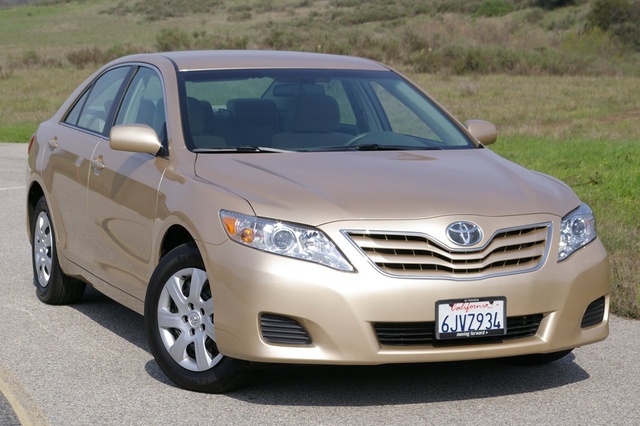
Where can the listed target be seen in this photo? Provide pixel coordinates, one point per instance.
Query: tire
(179, 323)
(52, 285)
(537, 359)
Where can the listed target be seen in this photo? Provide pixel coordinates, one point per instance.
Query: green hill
(452, 36)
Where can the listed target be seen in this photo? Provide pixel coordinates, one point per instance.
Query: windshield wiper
(375, 147)
(241, 149)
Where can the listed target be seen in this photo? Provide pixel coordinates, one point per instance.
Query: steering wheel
(357, 138)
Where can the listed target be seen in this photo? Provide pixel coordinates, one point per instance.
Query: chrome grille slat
(507, 251)
(457, 262)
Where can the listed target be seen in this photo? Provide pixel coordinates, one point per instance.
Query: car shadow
(121, 321)
(319, 385)
(310, 385)
(113, 316)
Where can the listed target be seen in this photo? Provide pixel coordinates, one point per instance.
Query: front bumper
(338, 310)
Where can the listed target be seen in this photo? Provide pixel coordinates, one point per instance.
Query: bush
(157, 10)
(92, 56)
(172, 39)
(553, 4)
(457, 6)
(240, 16)
(32, 59)
(177, 39)
(5, 74)
(620, 17)
(628, 33)
(372, 13)
(494, 8)
(606, 13)
(86, 56)
(534, 16)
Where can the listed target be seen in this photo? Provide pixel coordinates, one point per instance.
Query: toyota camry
(278, 207)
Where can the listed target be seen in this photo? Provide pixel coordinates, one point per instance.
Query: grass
(33, 95)
(564, 101)
(606, 175)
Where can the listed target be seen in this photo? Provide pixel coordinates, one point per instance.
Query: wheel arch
(35, 193)
(175, 236)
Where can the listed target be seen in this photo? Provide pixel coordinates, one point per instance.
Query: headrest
(298, 89)
(253, 111)
(316, 114)
(196, 116)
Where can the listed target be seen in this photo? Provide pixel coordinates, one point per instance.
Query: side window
(92, 109)
(143, 102)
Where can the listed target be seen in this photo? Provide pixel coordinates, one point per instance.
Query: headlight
(577, 229)
(286, 239)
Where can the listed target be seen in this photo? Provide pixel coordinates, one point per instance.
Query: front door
(123, 194)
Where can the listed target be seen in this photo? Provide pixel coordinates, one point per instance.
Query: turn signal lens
(247, 236)
(229, 224)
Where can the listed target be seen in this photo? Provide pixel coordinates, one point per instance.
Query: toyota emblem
(464, 233)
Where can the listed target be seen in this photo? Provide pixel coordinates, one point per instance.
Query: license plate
(469, 318)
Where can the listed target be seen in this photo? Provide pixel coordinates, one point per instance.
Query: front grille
(594, 313)
(423, 333)
(283, 330)
(508, 251)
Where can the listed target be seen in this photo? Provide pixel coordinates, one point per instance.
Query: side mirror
(135, 138)
(484, 131)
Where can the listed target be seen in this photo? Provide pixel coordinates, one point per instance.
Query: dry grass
(560, 108)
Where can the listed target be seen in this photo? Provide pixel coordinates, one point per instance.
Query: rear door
(70, 146)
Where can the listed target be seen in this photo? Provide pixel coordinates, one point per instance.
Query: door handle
(53, 143)
(98, 163)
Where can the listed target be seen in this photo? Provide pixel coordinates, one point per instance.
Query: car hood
(317, 188)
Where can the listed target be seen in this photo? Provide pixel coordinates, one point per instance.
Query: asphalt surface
(7, 416)
(89, 364)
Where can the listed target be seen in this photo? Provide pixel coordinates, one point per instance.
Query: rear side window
(92, 109)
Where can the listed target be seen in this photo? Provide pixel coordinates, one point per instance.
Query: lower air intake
(283, 330)
(423, 333)
(594, 313)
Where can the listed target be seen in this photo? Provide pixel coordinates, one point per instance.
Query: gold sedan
(280, 207)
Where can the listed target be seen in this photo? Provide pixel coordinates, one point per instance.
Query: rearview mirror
(135, 138)
(484, 131)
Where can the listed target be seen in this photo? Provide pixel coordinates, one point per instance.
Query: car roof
(259, 59)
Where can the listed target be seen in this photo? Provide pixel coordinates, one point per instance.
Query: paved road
(90, 364)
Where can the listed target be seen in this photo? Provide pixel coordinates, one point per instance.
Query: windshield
(310, 110)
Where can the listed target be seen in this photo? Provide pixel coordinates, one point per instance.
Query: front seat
(315, 122)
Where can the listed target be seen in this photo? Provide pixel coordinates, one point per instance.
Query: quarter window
(92, 109)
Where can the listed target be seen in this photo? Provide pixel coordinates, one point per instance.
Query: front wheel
(179, 323)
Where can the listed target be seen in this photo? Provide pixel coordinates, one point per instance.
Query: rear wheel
(52, 285)
(179, 322)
